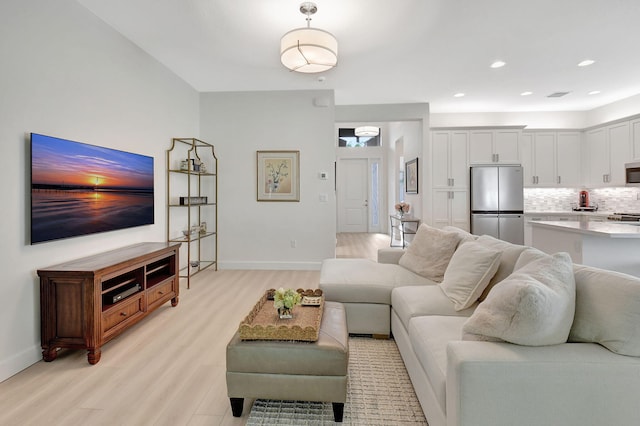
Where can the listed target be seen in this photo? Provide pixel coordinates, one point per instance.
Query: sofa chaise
(494, 333)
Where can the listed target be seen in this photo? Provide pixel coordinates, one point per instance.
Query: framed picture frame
(278, 175)
(411, 176)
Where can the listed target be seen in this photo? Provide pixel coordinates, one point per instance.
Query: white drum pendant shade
(308, 50)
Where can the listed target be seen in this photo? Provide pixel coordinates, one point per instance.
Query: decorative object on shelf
(194, 263)
(278, 175)
(285, 300)
(184, 165)
(187, 233)
(308, 50)
(193, 200)
(411, 176)
(203, 227)
(402, 208)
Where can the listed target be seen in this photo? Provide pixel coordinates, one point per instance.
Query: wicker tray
(263, 323)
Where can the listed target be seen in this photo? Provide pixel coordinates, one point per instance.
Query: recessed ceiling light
(526, 93)
(586, 63)
(593, 92)
(498, 64)
(458, 95)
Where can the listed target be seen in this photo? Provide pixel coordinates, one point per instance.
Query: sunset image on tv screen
(79, 189)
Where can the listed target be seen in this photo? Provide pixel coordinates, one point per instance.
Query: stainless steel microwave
(632, 173)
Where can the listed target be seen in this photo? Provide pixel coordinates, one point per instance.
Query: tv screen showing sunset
(79, 189)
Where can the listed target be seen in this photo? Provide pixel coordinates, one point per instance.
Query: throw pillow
(607, 310)
(510, 254)
(430, 251)
(469, 271)
(534, 306)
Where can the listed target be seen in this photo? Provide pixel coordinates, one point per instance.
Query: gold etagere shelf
(192, 207)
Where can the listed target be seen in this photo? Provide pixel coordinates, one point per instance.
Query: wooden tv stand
(86, 302)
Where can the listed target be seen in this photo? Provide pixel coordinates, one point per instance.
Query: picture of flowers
(278, 175)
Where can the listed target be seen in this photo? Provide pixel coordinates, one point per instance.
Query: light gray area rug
(379, 393)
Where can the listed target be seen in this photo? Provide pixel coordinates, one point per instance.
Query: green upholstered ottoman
(299, 371)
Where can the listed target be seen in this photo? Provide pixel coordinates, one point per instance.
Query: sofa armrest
(390, 255)
(491, 383)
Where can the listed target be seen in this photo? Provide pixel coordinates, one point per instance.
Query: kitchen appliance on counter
(583, 203)
(625, 217)
(497, 202)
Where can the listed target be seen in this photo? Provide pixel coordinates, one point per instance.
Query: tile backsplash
(618, 199)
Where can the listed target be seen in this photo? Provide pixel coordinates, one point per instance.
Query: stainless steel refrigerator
(497, 202)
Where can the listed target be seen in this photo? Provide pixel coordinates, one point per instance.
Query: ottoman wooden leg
(338, 410)
(236, 406)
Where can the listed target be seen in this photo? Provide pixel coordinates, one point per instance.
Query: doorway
(359, 194)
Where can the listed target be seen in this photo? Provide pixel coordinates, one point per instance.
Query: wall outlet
(294, 243)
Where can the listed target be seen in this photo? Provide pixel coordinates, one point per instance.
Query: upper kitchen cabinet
(494, 146)
(609, 148)
(449, 159)
(635, 137)
(551, 159)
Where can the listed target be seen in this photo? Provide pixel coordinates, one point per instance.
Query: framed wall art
(278, 175)
(411, 176)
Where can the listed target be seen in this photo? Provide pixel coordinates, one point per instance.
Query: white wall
(67, 74)
(258, 235)
(615, 111)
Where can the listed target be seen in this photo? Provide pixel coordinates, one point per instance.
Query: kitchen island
(608, 245)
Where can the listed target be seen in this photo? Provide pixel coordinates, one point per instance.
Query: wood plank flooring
(166, 370)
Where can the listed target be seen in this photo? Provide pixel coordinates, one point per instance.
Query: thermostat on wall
(323, 175)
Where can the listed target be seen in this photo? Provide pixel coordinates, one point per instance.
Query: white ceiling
(402, 50)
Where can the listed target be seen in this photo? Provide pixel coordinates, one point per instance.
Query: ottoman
(299, 371)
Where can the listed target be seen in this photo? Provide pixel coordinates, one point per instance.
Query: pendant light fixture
(367, 131)
(308, 50)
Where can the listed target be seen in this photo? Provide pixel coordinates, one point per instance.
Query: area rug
(379, 393)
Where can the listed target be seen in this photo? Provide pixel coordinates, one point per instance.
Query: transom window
(347, 139)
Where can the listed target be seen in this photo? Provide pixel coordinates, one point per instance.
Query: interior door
(352, 193)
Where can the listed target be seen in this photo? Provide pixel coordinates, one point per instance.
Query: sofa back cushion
(468, 273)
(510, 254)
(607, 310)
(430, 251)
(534, 306)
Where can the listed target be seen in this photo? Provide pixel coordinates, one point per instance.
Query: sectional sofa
(494, 333)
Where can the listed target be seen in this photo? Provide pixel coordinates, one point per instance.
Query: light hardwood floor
(168, 369)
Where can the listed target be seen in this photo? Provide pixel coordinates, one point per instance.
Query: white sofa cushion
(468, 273)
(510, 254)
(607, 310)
(364, 281)
(429, 337)
(534, 306)
(415, 301)
(430, 252)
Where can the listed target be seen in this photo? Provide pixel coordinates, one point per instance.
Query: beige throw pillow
(469, 271)
(534, 306)
(510, 254)
(430, 251)
(607, 310)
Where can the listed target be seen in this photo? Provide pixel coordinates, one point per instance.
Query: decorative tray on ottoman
(263, 322)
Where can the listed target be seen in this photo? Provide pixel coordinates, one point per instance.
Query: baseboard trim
(19, 362)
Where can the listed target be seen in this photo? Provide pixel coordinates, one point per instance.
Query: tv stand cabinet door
(69, 318)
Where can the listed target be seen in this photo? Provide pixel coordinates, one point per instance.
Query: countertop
(600, 229)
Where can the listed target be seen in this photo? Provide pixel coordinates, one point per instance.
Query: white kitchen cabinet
(635, 137)
(609, 148)
(449, 159)
(451, 208)
(568, 158)
(494, 146)
(551, 159)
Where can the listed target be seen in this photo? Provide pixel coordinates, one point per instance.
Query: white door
(352, 193)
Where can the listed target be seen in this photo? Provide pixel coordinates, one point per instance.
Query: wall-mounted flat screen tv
(79, 189)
